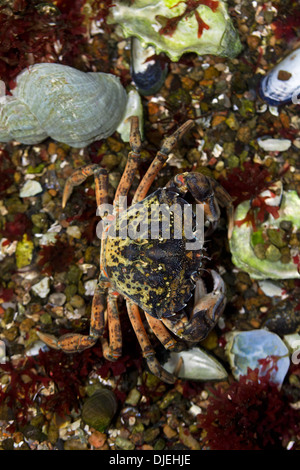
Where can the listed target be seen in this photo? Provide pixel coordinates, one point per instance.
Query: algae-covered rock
(263, 254)
(174, 27)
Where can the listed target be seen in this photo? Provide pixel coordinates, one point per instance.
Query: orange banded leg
(162, 333)
(147, 350)
(79, 176)
(112, 350)
(131, 166)
(159, 161)
(74, 342)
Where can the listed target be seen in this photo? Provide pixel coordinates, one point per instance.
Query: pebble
(31, 188)
(57, 298)
(74, 231)
(42, 288)
(274, 145)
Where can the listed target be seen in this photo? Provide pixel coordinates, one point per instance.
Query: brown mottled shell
(99, 409)
(154, 273)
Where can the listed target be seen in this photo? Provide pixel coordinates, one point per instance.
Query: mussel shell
(148, 76)
(99, 409)
(277, 91)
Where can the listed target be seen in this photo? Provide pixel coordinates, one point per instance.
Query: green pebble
(276, 237)
(272, 253)
(150, 434)
(40, 220)
(46, 319)
(233, 161)
(133, 397)
(169, 397)
(36, 169)
(124, 444)
(77, 302)
(232, 122)
(70, 291)
(159, 444)
(260, 251)
(74, 274)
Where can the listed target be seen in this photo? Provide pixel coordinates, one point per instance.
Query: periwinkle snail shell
(58, 101)
(99, 409)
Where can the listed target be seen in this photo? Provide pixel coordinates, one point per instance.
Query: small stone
(42, 288)
(244, 134)
(90, 286)
(97, 439)
(187, 439)
(46, 319)
(232, 122)
(233, 161)
(31, 188)
(133, 397)
(169, 432)
(151, 434)
(272, 253)
(11, 333)
(75, 444)
(253, 41)
(77, 302)
(57, 298)
(124, 444)
(274, 145)
(26, 325)
(24, 252)
(276, 237)
(74, 231)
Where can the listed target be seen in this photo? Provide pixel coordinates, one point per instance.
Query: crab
(157, 275)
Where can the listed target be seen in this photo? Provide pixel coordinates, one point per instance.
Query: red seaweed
(55, 258)
(251, 414)
(191, 7)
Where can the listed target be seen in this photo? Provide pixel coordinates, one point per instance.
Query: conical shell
(57, 101)
(99, 409)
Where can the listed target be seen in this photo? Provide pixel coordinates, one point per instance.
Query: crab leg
(147, 350)
(206, 191)
(74, 342)
(131, 166)
(159, 161)
(161, 332)
(112, 350)
(206, 312)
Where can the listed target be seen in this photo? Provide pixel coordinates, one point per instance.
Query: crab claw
(207, 310)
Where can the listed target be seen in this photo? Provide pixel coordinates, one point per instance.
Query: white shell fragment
(196, 365)
(274, 145)
(249, 349)
(31, 188)
(57, 101)
(42, 288)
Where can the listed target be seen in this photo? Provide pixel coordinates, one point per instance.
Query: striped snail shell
(99, 409)
(58, 101)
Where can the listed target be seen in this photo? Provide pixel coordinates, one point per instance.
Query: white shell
(197, 364)
(277, 92)
(57, 101)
